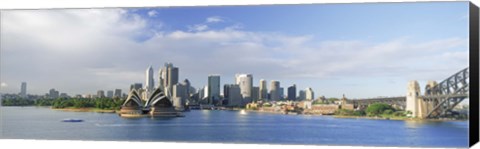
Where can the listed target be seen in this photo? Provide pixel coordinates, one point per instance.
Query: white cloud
(81, 51)
(198, 27)
(214, 19)
(152, 13)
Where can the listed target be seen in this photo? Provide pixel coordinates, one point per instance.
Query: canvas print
(365, 74)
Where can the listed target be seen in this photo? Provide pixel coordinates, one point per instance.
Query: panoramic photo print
(366, 74)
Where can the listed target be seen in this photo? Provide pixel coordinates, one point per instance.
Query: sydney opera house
(157, 104)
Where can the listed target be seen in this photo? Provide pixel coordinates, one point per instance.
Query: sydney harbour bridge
(438, 99)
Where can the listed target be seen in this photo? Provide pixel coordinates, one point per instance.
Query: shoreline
(85, 110)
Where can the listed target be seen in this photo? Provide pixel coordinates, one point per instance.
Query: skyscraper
(179, 96)
(169, 75)
(110, 94)
(118, 93)
(53, 93)
(149, 84)
(23, 90)
(100, 94)
(309, 94)
(245, 81)
(263, 92)
(281, 93)
(274, 90)
(213, 88)
(301, 95)
(292, 92)
(136, 86)
(255, 93)
(231, 93)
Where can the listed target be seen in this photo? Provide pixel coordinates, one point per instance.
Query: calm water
(230, 127)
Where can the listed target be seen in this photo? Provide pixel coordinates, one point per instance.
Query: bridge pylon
(413, 101)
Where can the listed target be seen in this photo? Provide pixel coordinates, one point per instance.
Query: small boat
(72, 120)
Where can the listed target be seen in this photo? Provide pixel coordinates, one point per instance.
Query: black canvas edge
(474, 74)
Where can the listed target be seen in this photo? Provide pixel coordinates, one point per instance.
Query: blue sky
(361, 50)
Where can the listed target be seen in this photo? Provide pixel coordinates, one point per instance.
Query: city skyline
(112, 47)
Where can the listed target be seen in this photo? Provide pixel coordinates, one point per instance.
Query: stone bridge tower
(413, 100)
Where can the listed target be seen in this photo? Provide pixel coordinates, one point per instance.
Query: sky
(360, 50)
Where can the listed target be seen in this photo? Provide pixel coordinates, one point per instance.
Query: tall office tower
(231, 93)
(149, 85)
(274, 90)
(179, 96)
(162, 74)
(281, 93)
(263, 92)
(201, 93)
(292, 92)
(245, 81)
(170, 77)
(309, 94)
(213, 88)
(136, 86)
(301, 95)
(110, 94)
(255, 93)
(53, 93)
(118, 93)
(23, 90)
(100, 94)
(186, 83)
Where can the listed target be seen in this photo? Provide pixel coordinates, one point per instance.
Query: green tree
(377, 109)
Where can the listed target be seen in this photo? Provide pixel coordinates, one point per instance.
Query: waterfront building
(301, 95)
(309, 94)
(232, 93)
(23, 90)
(100, 94)
(245, 81)
(179, 96)
(213, 89)
(274, 90)
(110, 94)
(292, 92)
(263, 92)
(53, 93)
(117, 93)
(186, 83)
(149, 85)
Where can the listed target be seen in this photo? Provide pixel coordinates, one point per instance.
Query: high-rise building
(118, 93)
(292, 92)
(149, 83)
(110, 94)
(309, 94)
(274, 90)
(186, 83)
(255, 93)
(100, 94)
(179, 96)
(231, 93)
(301, 95)
(169, 76)
(263, 92)
(53, 93)
(213, 88)
(136, 86)
(281, 93)
(23, 90)
(245, 81)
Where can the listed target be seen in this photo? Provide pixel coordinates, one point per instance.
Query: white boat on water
(72, 120)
